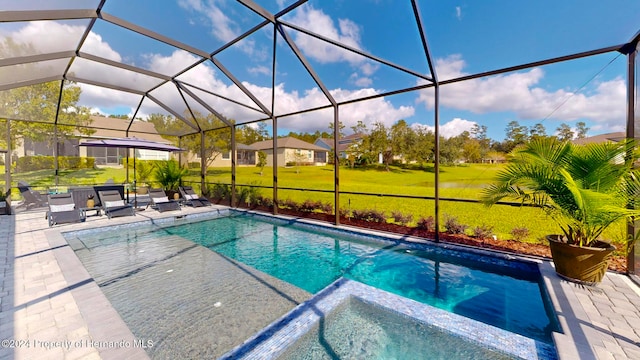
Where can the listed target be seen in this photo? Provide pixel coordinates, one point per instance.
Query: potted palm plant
(583, 188)
(169, 174)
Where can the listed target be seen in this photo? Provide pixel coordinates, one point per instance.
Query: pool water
(508, 295)
(358, 330)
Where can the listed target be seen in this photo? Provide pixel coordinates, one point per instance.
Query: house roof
(288, 143)
(109, 128)
(328, 142)
(344, 142)
(614, 137)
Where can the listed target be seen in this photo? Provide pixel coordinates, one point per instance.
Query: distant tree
(359, 128)
(340, 128)
(123, 116)
(299, 158)
(422, 151)
(471, 150)
(216, 142)
(402, 139)
(380, 143)
(248, 134)
(537, 131)
(39, 103)
(564, 132)
(516, 134)
(451, 149)
(262, 161)
(479, 132)
(582, 129)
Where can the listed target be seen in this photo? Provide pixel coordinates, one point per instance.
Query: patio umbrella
(131, 143)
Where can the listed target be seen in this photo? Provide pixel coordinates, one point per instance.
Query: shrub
(326, 208)
(310, 206)
(33, 163)
(344, 213)
(520, 233)
(220, 192)
(452, 225)
(289, 204)
(264, 201)
(246, 194)
(368, 215)
(483, 231)
(401, 218)
(428, 223)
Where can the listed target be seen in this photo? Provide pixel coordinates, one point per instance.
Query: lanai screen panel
(12, 5)
(205, 26)
(40, 37)
(148, 54)
(11, 76)
(37, 103)
(543, 32)
(112, 76)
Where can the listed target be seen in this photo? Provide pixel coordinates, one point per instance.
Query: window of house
(226, 155)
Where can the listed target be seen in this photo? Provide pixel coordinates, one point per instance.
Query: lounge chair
(160, 201)
(31, 197)
(191, 198)
(113, 205)
(62, 209)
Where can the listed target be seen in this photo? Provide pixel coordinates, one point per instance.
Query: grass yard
(458, 182)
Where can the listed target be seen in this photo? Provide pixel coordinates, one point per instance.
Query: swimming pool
(505, 294)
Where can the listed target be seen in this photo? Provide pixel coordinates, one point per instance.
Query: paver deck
(52, 309)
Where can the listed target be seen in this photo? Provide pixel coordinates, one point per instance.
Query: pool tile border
(274, 340)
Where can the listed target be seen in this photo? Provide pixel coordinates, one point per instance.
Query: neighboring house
(344, 143)
(613, 137)
(105, 128)
(291, 151)
(245, 156)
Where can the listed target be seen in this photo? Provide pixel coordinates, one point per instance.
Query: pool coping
(570, 344)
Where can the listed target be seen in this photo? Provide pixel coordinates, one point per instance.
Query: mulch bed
(618, 263)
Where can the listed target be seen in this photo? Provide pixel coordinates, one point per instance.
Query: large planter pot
(585, 265)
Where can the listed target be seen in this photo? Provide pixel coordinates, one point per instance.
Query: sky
(464, 37)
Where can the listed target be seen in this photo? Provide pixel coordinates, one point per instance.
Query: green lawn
(459, 182)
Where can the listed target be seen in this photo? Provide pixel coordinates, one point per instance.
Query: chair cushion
(62, 207)
(192, 196)
(160, 199)
(114, 203)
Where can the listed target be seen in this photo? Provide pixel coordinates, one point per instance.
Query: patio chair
(113, 205)
(31, 197)
(191, 198)
(160, 201)
(62, 209)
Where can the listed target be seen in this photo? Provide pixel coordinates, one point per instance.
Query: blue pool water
(504, 294)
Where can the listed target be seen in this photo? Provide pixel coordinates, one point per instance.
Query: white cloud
(521, 93)
(458, 13)
(452, 128)
(222, 27)
(320, 23)
(260, 70)
(356, 79)
(50, 36)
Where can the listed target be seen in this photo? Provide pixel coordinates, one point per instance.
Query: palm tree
(584, 188)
